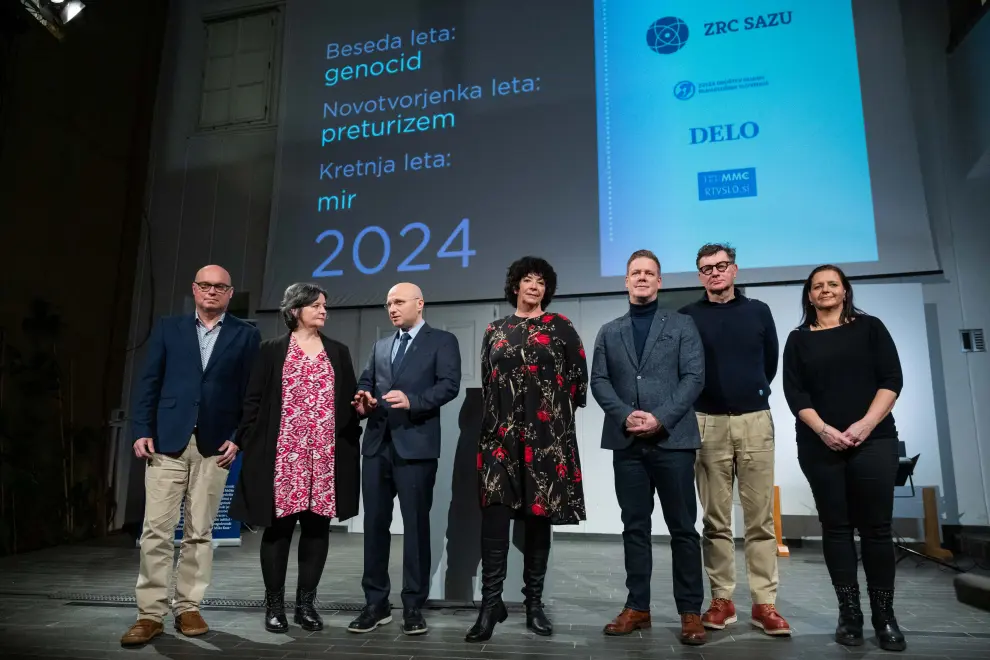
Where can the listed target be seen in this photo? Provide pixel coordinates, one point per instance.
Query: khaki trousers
(738, 447)
(167, 482)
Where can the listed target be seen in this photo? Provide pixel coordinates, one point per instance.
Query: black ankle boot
(534, 574)
(494, 555)
(889, 635)
(275, 621)
(849, 631)
(306, 615)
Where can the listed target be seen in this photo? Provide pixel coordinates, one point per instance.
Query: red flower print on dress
(541, 338)
(560, 380)
(499, 453)
(528, 454)
(480, 460)
(561, 470)
(577, 475)
(573, 390)
(547, 318)
(502, 430)
(582, 353)
(533, 368)
(494, 374)
(543, 416)
(538, 510)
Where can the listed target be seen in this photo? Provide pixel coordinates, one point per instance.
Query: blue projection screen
(437, 141)
(757, 132)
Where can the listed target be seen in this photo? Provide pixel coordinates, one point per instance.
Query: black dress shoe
(413, 623)
(370, 618)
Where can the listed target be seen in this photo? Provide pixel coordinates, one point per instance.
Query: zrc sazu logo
(667, 35)
(758, 22)
(747, 130)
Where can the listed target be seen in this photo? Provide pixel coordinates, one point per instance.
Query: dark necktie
(403, 341)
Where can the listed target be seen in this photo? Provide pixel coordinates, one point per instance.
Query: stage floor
(77, 601)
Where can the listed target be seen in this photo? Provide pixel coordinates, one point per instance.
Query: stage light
(53, 14)
(71, 10)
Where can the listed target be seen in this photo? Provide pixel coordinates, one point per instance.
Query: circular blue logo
(684, 90)
(667, 35)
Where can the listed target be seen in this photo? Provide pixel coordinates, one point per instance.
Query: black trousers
(386, 475)
(641, 470)
(854, 488)
(314, 543)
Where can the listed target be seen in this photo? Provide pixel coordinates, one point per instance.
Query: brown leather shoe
(627, 621)
(142, 632)
(191, 624)
(692, 630)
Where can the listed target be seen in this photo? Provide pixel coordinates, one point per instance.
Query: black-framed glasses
(219, 288)
(720, 267)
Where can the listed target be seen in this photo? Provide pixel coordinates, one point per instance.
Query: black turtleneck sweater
(642, 319)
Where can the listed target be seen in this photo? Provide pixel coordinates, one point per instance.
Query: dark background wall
(75, 119)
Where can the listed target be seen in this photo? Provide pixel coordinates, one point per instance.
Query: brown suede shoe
(142, 632)
(692, 630)
(191, 624)
(627, 621)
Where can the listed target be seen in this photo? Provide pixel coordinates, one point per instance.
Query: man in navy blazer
(648, 369)
(186, 410)
(410, 375)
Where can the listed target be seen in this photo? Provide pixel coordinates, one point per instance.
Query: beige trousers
(738, 447)
(167, 482)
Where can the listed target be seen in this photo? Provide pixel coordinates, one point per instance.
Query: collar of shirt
(413, 331)
(200, 323)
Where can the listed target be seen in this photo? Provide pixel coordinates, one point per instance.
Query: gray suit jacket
(665, 382)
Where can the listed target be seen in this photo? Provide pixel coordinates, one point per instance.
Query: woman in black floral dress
(534, 378)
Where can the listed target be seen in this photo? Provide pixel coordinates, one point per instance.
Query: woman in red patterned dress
(534, 378)
(299, 437)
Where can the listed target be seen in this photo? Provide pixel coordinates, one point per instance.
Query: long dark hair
(810, 313)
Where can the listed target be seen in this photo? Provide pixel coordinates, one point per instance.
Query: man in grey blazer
(648, 369)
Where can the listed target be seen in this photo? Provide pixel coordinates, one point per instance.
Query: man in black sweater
(741, 353)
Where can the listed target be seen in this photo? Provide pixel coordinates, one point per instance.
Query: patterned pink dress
(304, 455)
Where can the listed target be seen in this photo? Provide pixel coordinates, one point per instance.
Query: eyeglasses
(720, 267)
(220, 288)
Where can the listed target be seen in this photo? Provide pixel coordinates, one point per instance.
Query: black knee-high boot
(494, 558)
(535, 557)
(889, 635)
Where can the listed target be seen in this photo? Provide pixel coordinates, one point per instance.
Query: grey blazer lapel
(656, 331)
(626, 332)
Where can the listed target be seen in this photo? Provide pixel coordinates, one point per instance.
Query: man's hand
(398, 400)
(859, 431)
(364, 403)
(644, 425)
(144, 447)
(228, 452)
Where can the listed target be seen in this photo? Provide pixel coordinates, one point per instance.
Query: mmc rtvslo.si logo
(670, 34)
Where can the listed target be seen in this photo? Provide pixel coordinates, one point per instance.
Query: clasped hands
(642, 424)
(364, 403)
(851, 437)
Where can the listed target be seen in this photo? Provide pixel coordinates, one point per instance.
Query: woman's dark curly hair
(520, 268)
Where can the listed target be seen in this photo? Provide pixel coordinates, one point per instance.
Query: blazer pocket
(166, 403)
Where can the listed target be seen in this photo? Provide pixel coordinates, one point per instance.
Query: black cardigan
(257, 435)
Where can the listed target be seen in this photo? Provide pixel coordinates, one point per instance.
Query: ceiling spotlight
(58, 2)
(71, 10)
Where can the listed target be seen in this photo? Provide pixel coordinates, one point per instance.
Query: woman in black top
(842, 376)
